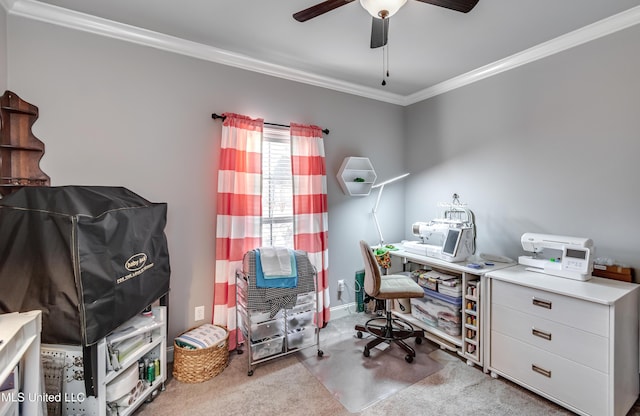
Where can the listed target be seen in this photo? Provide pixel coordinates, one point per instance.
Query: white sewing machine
(446, 240)
(575, 262)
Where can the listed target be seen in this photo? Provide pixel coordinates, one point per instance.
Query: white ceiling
(428, 45)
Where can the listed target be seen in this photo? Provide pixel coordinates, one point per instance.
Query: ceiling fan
(381, 11)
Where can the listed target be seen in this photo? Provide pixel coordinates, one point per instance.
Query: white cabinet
(20, 336)
(121, 385)
(356, 176)
(573, 342)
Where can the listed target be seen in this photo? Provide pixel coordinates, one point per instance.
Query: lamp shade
(382, 8)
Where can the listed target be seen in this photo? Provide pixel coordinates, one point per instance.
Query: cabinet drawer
(299, 320)
(267, 329)
(574, 384)
(571, 343)
(267, 348)
(588, 316)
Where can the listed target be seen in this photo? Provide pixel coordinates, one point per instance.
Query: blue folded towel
(273, 281)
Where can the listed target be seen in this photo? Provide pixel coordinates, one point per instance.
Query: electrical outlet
(340, 289)
(199, 313)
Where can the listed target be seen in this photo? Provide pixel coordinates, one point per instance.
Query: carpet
(359, 382)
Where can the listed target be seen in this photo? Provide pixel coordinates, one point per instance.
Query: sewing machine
(452, 237)
(451, 241)
(575, 262)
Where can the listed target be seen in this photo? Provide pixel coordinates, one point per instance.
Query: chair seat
(399, 286)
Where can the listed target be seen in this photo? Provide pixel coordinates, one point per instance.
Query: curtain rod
(217, 116)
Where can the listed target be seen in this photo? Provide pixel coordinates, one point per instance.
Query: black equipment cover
(88, 257)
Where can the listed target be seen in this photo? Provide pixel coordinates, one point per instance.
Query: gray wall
(115, 113)
(3, 49)
(549, 147)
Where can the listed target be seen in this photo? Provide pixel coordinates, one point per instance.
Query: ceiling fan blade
(318, 9)
(379, 32)
(463, 6)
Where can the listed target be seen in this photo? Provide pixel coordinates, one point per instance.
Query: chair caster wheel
(366, 352)
(418, 340)
(408, 358)
(359, 334)
(250, 373)
(320, 353)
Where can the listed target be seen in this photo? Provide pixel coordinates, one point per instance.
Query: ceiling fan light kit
(382, 9)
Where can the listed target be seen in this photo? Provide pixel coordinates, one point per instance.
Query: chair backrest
(372, 277)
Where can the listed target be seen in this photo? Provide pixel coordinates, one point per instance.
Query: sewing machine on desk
(443, 241)
(450, 238)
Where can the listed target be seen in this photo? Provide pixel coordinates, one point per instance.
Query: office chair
(389, 287)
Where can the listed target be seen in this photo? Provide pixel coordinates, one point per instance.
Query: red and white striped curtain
(239, 207)
(310, 205)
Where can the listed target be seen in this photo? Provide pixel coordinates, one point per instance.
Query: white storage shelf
(152, 332)
(356, 168)
(20, 336)
(144, 336)
(466, 345)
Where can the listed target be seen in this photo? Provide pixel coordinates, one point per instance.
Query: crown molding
(80, 21)
(36, 10)
(7, 4)
(585, 34)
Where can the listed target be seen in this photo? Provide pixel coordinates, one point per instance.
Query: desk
(469, 343)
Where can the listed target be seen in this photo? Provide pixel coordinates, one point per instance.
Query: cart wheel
(418, 340)
(250, 373)
(320, 353)
(152, 396)
(359, 334)
(408, 358)
(239, 351)
(366, 352)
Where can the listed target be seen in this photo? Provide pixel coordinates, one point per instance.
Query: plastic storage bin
(267, 348)
(301, 337)
(440, 311)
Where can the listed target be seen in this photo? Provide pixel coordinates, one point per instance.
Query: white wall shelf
(356, 168)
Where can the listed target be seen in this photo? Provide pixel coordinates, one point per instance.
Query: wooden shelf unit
(20, 150)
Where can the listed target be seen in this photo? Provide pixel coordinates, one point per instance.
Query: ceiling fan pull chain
(384, 80)
(385, 64)
(387, 59)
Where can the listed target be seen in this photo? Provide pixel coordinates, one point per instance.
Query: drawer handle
(539, 370)
(541, 302)
(541, 334)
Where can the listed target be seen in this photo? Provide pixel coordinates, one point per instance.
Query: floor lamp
(375, 208)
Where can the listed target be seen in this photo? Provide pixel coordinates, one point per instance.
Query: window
(277, 188)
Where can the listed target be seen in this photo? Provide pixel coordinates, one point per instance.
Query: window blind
(277, 188)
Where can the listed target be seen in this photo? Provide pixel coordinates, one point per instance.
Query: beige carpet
(285, 387)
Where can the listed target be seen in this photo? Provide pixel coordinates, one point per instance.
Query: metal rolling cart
(270, 330)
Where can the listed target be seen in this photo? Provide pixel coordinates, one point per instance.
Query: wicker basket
(196, 366)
